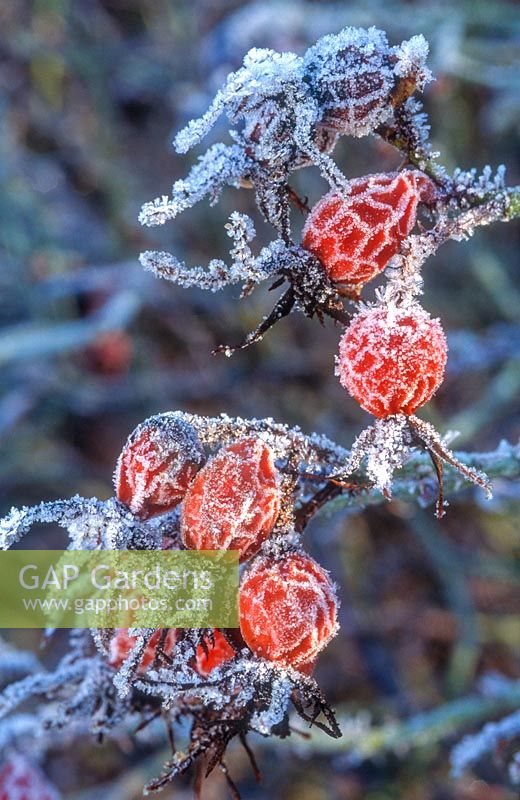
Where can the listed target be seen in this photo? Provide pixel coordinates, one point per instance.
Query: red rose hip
(234, 501)
(392, 360)
(122, 643)
(20, 780)
(288, 610)
(158, 462)
(212, 654)
(355, 236)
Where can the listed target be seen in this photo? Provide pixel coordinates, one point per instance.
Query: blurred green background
(91, 93)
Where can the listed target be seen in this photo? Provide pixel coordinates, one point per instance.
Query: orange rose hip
(158, 462)
(211, 655)
(288, 609)
(122, 643)
(234, 501)
(355, 236)
(392, 360)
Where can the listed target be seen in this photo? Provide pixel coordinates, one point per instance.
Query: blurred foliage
(92, 91)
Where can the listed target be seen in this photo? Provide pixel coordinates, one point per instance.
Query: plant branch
(361, 741)
(416, 480)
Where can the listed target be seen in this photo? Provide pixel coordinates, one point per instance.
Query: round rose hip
(234, 501)
(352, 74)
(355, 236)
(288, 609)
(158, 462)
(392, 360)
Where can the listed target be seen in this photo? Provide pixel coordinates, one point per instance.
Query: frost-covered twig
(465, 188)
(91, 523)
(244, 268)
(416, 480)
(361, 740)
(493, 735)
(222, 165)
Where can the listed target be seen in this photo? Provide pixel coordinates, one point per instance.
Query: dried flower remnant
(234, 501)
(288, 609)
(357, 78)
(346, 83)
(157, 465)
(286, 112)
(355, 235)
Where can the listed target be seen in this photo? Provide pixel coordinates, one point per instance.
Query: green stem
(424, 729)
(417, 479)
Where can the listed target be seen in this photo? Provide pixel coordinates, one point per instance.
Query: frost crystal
(385, 447)
(411, 60)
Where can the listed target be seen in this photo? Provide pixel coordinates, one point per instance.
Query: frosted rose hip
(214, 654)
(392, 360)
(122, 643)
(157, 464)
(234, 501)
(351, 76)
(20, 780)
(356, 235)
(288, 610)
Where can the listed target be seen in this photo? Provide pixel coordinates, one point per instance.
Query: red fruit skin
(122, 643)
(234, 501)
(206, 660)
(392, 360)
(158, 462)
(19, 780)
(355, 236)
(288, 610)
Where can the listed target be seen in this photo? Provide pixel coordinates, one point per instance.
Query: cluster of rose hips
(392, 354)
(391, 358)
(232, 501)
